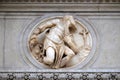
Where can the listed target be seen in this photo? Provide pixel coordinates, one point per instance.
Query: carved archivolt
(60, 42)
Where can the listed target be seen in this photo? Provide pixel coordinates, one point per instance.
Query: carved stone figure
(57, 47)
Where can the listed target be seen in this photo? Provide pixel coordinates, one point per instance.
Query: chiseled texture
(103, 15)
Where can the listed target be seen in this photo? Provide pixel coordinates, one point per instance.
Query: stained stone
(18, 18)
(2, 28)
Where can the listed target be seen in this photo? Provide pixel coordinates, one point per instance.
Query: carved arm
(49, 24)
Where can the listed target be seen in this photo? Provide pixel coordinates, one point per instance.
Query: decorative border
(53, 7)
(63, 1)
(50, 6)
(28, 6)
(60, 75)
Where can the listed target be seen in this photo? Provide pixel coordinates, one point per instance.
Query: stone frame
(93, 7)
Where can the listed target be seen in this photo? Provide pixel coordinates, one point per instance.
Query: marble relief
(60, 42)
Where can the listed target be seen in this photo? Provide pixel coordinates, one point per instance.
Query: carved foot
(48, 60)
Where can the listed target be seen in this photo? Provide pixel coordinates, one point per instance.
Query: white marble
(107, 56)
(64, 35)
(109, 33)
(1, 42)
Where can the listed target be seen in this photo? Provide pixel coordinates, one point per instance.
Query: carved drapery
(93, 7)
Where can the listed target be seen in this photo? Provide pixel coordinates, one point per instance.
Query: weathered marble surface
(1, 42)
(60, 42)
(15, 15)
(107, 56)
(109, 30)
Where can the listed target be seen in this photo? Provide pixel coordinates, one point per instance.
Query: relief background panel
(1, 41)
(108, 30)
(13, 58)
(109, 51)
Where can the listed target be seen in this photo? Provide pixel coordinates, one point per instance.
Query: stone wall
(17, 15)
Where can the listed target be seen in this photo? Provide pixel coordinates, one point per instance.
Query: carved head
(69, 20)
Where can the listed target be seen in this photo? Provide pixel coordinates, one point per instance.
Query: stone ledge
(60, 7)
(60, 1)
